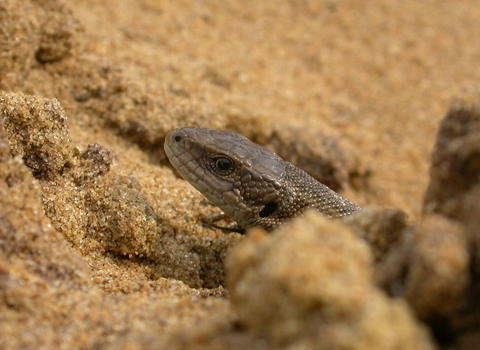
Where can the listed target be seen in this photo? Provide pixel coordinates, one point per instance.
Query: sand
(102, 244)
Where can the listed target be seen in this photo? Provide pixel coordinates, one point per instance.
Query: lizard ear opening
(268, 209)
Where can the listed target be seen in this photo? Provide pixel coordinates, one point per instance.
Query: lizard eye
(223, 165)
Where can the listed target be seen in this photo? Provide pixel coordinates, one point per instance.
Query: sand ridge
(102, 244)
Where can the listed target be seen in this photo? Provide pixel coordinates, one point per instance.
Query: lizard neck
(306, 192)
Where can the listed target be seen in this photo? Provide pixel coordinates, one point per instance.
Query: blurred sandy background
(371, 79)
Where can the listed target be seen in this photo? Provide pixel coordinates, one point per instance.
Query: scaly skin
(251, 185)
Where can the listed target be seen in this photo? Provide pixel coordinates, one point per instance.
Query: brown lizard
(250, 184)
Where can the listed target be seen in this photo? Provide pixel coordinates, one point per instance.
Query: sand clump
(95, 208)
(102, 245)
(310, 286)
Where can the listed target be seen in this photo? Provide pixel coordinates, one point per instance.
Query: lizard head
(240, 177)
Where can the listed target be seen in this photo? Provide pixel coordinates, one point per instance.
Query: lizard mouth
(176, 144)
(186, 156)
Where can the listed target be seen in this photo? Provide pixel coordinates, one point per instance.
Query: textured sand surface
(102, 245)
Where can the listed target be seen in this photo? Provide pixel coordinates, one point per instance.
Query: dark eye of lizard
(223, 165)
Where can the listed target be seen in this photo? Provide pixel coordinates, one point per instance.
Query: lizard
(250, 184)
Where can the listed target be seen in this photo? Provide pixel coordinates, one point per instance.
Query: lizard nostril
(177, 136)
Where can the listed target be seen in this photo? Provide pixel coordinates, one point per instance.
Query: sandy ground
(102, 244)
